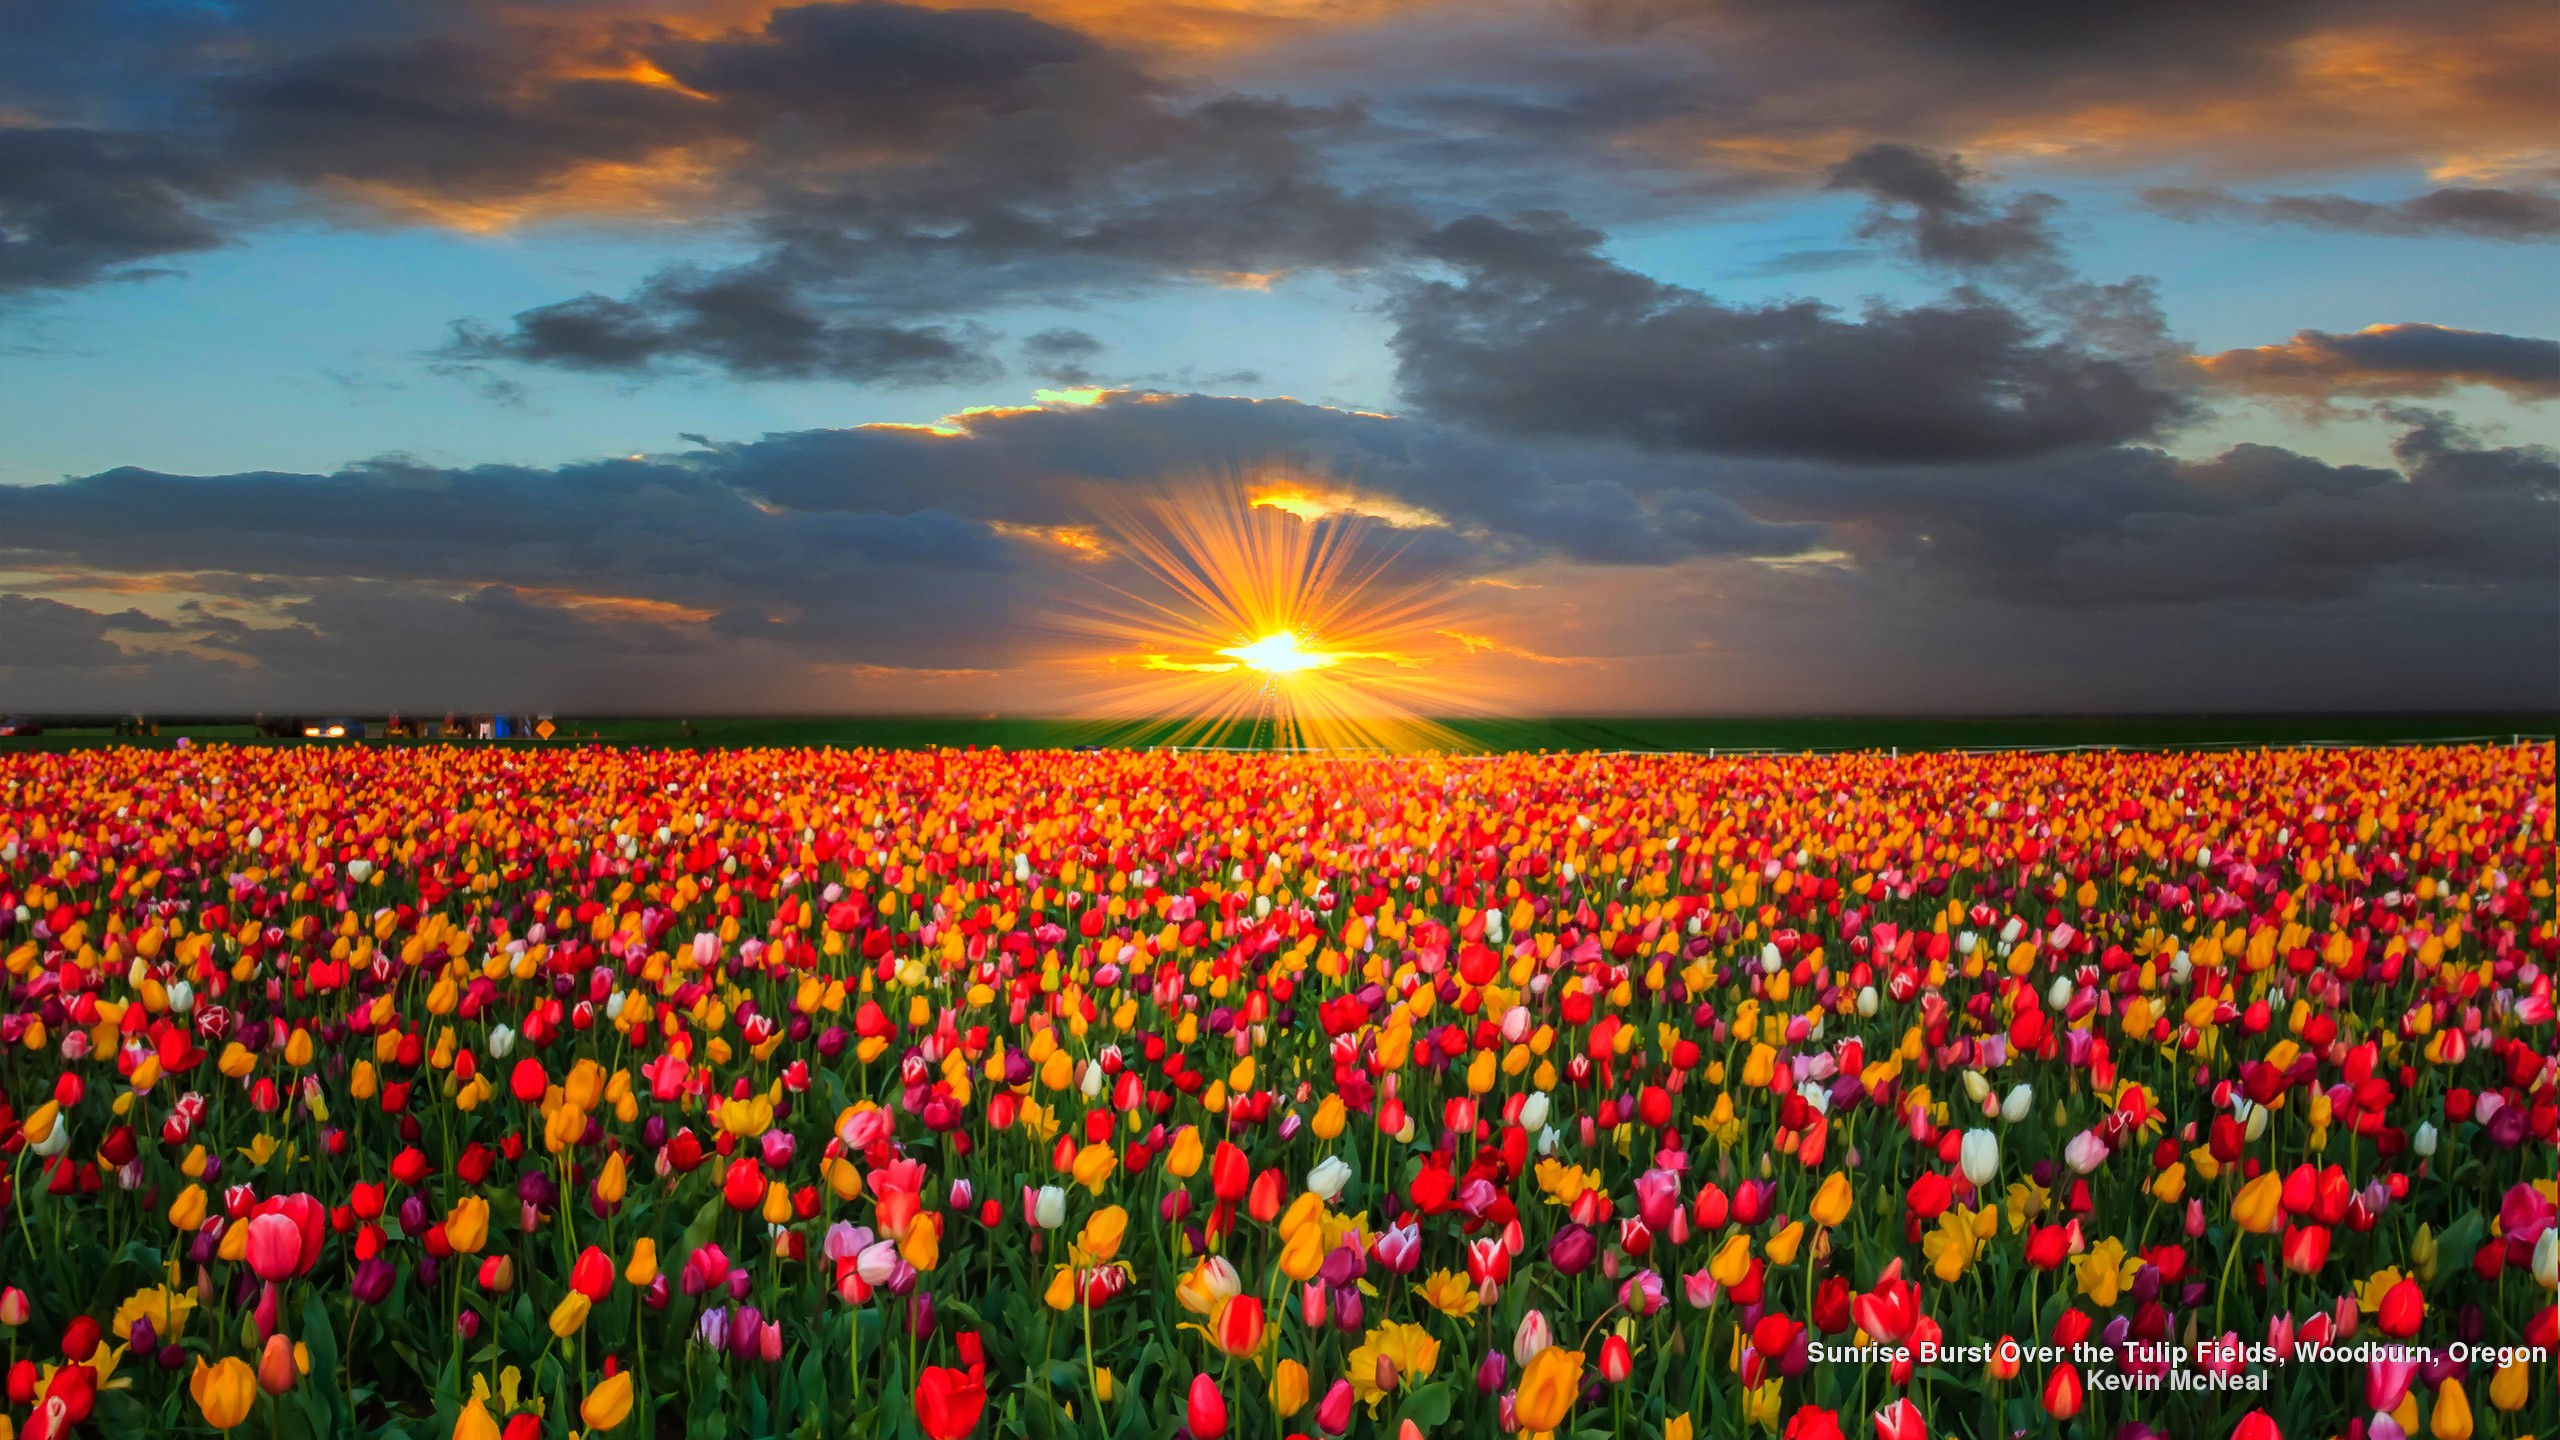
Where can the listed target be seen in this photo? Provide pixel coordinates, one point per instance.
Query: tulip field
(474, 1092)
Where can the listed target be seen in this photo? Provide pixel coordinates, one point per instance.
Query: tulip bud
(276, 1368)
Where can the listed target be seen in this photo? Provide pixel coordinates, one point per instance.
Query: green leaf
(2455, 1246)
(1429, 1406)
(706, 1223)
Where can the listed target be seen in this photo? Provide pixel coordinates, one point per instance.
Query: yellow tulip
(2511, 1386)
(609, 1404)
(1782, 1246)
(644, 1262)
(187, 1211)
(1831, 1203)
(1549, 1384)
(2450, 1417)
(1329, 1118)
(1306, 1208)
(613, 1180)
(1289, 1388)
(1101, 1237)
(2259, 1207)
(1760, 1407)
(466, 1226)
(1679, 1427)
(1093, 1165)
(777, 1203)
(923, 1246)
(2171, 1184)
(1732, 1260)
(1183, 1160)
(225, 1391)
(474, 1423)
(1303, 1254)
(570, 1315)
(1061, 1294)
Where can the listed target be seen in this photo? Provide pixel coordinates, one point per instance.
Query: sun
(1221, 618)
(1281, 653)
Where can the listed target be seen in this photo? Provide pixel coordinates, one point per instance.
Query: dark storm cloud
(2106, 32)
(1542, 335)
(78, 206)
(2479, 212)
(1930, 204)
(758, 574)
(39, 633)
(1062, 355)
(899, 163)
(2391, 361)
(753, 321)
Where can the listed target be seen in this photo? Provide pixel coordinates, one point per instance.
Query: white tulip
(1771, 962)
(1533, 1111)
(2021, 1099)
(1049, 1207)
(359, 870)
(1092, 1085)
(1328, 1178)
(501, 1040)
(2058, 994)
(182, 997)
(1867, 1000)
(2546, 1260)
(1976, 1086)
(1980, 1157)
(2424, 1142)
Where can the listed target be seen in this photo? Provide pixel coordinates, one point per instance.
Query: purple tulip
(373, 1280)
(1572, 1249)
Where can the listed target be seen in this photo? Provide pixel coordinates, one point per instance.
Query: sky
(1690, 356)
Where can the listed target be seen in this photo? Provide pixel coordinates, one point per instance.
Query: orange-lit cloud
(635, 608)
(2384, 361)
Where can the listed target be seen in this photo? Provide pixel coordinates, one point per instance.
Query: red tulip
(2306, 1249)
(948, 1401)
(1900, 1421)
(1238, 1326)
(310, 1223)
(592, 1276)
(2256, 1425)
(1889, 1310)
(275, 1247)
(1617, 1362)
(1812, 1422)
(1333, 1412)
(2404, 1308)
(743, 1185)
(2063, 1392)
(528, 1082)
(1206, 1411)
(1229, 1173)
